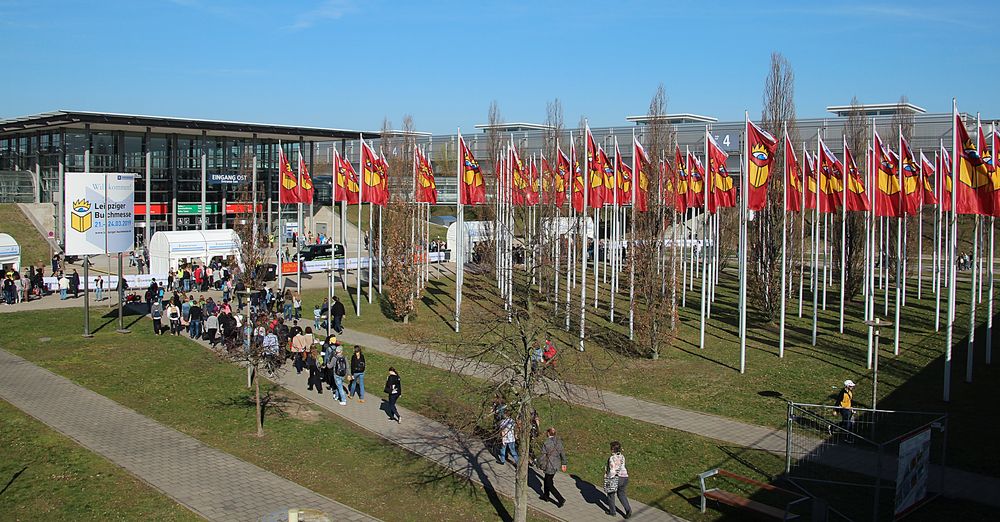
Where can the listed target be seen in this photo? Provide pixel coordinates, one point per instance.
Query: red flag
(531, 196)
(372, 176)
(305, 182)
(857, 197)
(519, 178)
(793, 178)
(761, 147)
(471, 190)
(810, 185)
(831, 179)
(911, 179)
(696, 182)
(722, 190)
(595, 174)
(622, 176)
(289, 190)
(426, 187)
(944, 178)
(680, 179)
(887, 198)
(579, 182)
(562, 179)
(346, 186)
(927, 173)
(640, 178)
(984, 150)
(974, 184)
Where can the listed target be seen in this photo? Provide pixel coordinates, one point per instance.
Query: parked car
(320, 252)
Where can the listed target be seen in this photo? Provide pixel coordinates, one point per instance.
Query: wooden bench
(739, 501)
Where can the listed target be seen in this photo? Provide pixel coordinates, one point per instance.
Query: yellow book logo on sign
(80, 218)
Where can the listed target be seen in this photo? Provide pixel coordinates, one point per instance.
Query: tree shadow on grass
(270, 401)
(12, 479)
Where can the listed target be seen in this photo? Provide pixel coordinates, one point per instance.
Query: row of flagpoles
(892, 184)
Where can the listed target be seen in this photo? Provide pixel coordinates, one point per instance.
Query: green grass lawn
(49, 477)
(707, 379)
(34, 248)
(182, 385)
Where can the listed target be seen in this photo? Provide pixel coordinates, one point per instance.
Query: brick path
(468, 456)
(213, 484)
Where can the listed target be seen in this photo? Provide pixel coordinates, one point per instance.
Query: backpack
(340, 367)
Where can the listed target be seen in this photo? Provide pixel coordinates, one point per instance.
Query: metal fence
(874, 465)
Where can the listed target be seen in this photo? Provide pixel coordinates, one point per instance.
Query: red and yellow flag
(426, 188)
(289, 190)
(761, 147)
(305, 182)
(346, 186)
(975, 186)
(623, 179)
(911, 179)
(696, 181)
(562, 179)
(944, 178)
(641, 177)
(793, 178)
(595, 173)
(722, 190)
(471, 189)
(856, 195)
(927, 195)
(887, 189)
(373, 177)
(831, 182)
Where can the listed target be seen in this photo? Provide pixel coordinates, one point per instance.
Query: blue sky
(350, 63)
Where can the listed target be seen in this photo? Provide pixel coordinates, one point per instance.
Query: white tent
(10, 252)
(476, 232)
(566, 225)
(169, 250)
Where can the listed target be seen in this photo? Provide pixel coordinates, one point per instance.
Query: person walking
(508, 441)
(156, 314)
(338, 312)
(297, 305)
(844, 406)
(74, 284)
(358, 374)
(551, 460)
(339, 372)
(393, 388)
(63, 286)
(312, 364)
(99, 289)
(174, 316)
(212, 327)
(301, 343)
(616, 480)
(195, 316)
(288, 308)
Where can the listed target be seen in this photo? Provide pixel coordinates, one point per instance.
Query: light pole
(874, 325)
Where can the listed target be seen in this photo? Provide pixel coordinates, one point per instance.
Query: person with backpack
(358, 374)
(339, 372)
(156, 314)
(393, 388)
(313, 364)
(551, 459)
(616, 480)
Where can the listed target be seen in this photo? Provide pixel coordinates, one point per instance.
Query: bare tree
(764, 232)
(656, 300)
(857, 131)
(242, 346)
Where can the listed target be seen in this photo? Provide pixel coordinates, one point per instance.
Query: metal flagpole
(597, 251)
(361, 192)
(583, 248)
(843, 231)
(744, 210)
(972, 303)
(636, 166)
(920, 231)
(938, 215)
(149, 183)
(989, 306)
(899, 245)
(614, 235)
(870, 245)
(281, 224)
(819, 188)
(784, 240)
(827, 218)
(459, 233)
(299, 227)
(804, 186)
(704, 288)
(204, 190)
(953, 226)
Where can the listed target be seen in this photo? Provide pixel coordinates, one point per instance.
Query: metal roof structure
(513, 127)
(169, 124)
(877, 109)
(680, 117)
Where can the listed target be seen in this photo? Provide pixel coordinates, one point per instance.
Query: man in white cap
(844, 399)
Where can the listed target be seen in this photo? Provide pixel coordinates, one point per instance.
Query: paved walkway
(468, 457)
(959, 484)
(213, 484)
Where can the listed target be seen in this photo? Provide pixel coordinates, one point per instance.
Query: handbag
(611, 484)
